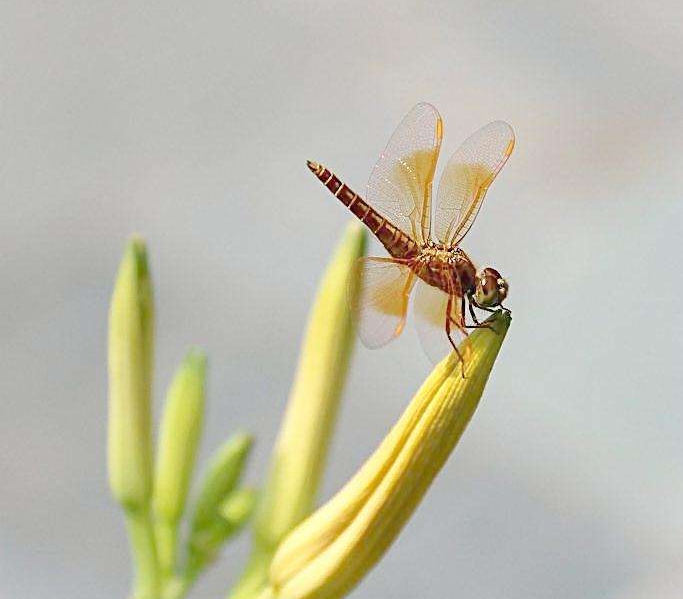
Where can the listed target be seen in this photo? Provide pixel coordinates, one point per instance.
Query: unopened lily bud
(179, 437)
(232, 514)
(300, 451)
(331, 551)
(238, 507)
(210, 528)
(221, 476)
(131, 341)
(131, 330)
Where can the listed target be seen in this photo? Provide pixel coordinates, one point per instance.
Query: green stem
(178, 585)
(166, 544)
(141, 535)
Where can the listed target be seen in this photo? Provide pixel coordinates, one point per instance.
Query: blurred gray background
(190, 124)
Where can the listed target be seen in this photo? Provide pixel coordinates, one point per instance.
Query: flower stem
(166, 543)
(141, 535)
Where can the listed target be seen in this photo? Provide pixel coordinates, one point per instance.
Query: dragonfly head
(490, 288)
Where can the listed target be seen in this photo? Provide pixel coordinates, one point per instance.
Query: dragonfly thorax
(448, 268)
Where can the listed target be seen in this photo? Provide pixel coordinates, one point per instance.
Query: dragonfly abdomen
(397, 243)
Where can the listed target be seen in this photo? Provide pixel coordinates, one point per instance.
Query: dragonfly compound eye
(491, 288)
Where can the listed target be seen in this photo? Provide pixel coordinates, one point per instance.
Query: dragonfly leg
(477, 324)
(470, 305)
(463, 326)
(449, 321)
(484, 325)
(460, 325)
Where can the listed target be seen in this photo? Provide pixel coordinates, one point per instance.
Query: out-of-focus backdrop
(191, 124)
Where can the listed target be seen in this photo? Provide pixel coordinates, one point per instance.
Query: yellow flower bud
(300, 451)
(329, 553)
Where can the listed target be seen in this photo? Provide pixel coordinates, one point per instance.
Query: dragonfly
(423, 240)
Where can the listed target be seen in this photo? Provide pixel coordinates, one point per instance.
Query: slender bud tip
(196, 359)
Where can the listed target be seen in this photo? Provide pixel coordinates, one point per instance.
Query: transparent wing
(429, 308)
(382, 303)
(400, 186)
(467, 177)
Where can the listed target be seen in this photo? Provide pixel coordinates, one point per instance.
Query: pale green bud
(210, 528)
(179, 436)
(221, 476)
(131, 331)
(233, 513)
(238, 507)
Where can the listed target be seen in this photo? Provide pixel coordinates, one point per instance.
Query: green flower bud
(233, 513)
(210, 527)
(238, 507)
(131, 330)
(222, 475)
(131, 333)
(179, 436)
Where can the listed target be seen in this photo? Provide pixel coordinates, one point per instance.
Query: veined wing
(400, 186)
(383, 300)
(467, 177)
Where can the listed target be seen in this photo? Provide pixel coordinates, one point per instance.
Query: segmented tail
(397, 243)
